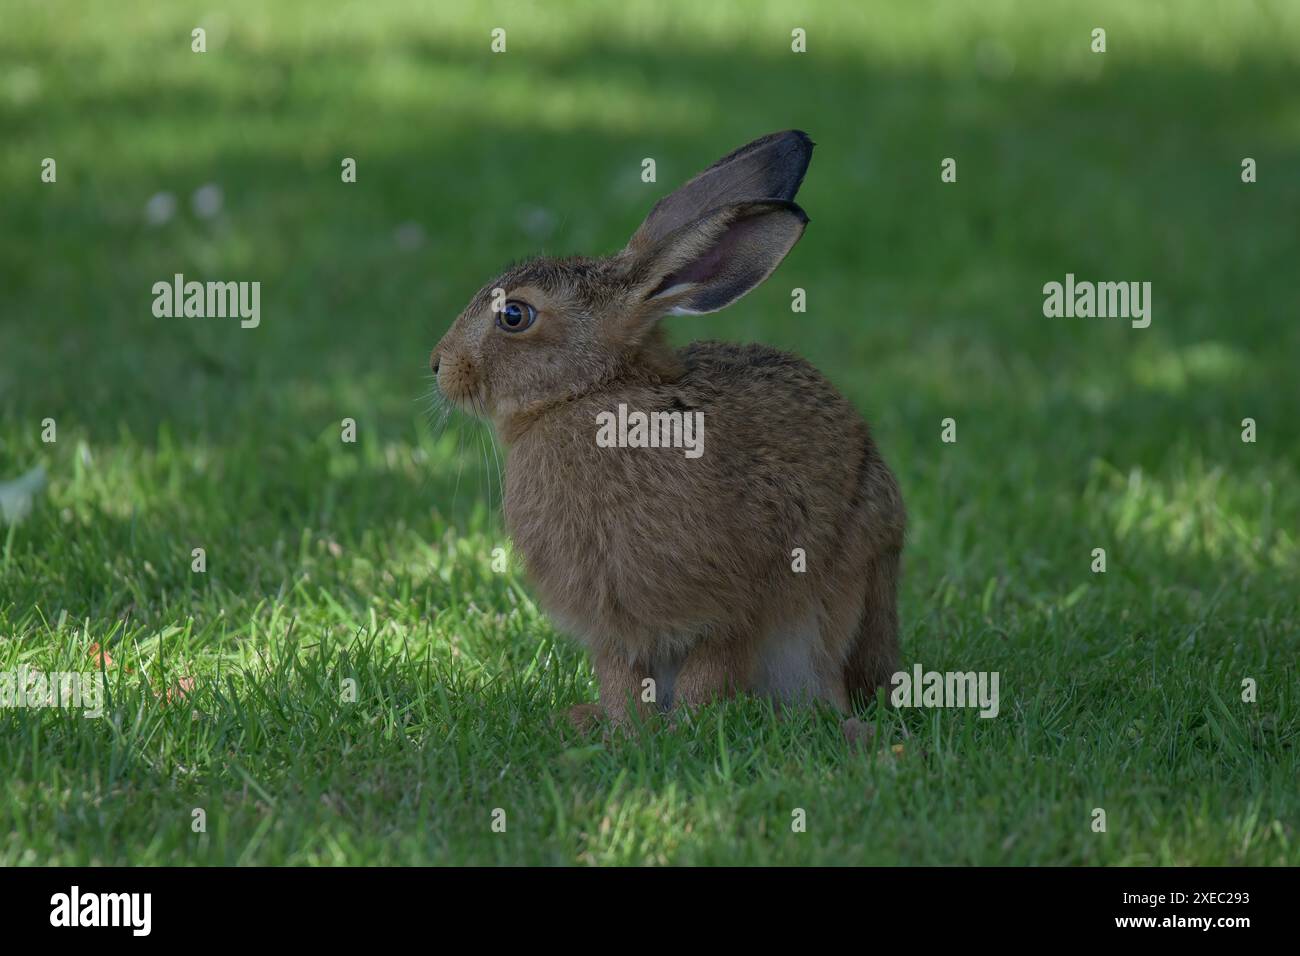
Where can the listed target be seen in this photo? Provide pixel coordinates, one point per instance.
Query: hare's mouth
(462, 387)
(472, 401)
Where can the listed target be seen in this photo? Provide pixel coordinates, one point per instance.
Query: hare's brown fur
(670, 567)
(650, 557)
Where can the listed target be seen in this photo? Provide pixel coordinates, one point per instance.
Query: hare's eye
(516, 316)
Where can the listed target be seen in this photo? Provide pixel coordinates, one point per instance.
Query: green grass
(372, 561)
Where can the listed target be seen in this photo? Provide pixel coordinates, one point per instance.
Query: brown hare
(767, 561)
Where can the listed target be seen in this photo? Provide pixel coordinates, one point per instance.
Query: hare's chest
(575, 498)
(560, 512)
(578, 532)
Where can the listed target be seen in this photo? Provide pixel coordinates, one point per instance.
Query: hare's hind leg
(873, 657)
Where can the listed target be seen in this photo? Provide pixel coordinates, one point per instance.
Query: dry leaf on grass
(100, 656)
(182, 688)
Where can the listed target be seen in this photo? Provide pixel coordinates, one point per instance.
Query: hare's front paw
(858, 733)
(584, 717)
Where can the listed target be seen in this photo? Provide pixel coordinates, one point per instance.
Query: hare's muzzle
(456, 378)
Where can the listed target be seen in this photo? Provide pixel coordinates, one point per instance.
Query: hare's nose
(433, 361)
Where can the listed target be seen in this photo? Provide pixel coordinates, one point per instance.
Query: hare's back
(760, 394)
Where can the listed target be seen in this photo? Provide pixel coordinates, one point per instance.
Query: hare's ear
(706, 265)
(771, 167)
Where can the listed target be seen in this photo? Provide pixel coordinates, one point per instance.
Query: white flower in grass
(160, 209)
(409, 235)
(16, 496)
(206, 201)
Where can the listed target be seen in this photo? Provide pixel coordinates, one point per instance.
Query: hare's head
(554, 328)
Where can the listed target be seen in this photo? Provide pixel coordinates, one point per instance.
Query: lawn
(368, 566)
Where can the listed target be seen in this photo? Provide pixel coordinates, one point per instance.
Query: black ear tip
(800, 149)
(800, 140)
